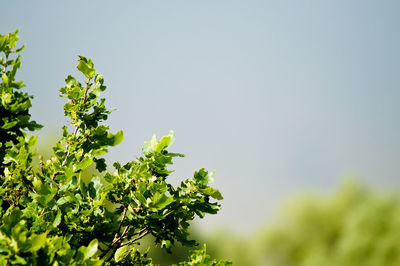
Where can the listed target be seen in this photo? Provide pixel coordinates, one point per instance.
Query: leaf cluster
(53, 216)
(200, 257)
(14, 107)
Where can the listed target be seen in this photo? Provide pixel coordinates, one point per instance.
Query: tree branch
(76, 127)
(136, 239)
(116, 238)
(5, 63)
(120, 224)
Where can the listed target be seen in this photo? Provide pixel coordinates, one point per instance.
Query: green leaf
(161, 201)
(18, 260)
(70, 81)
(140, 197)
(94, 188)
(85, 67)
(57, 220)
(85, 163)
(203, 177)
(37, 242)
(100, 164)
(153, 145)
(5, 79)
(150, 145)
(99, 152)
(32, 141)
(110, 178)
(91, 249)
(98, 87)
(87, 252)
(165, 142)
(117, 138)
(122, 252)
(20, 49)
(6, 98)
(3, 40)
(9, 125)
(213, 193)
(166, 244)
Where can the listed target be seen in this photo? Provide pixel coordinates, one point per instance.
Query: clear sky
(276, 96)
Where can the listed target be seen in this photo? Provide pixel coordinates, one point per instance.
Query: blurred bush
(355, 226)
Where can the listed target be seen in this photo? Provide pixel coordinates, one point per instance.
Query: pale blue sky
(276, 96)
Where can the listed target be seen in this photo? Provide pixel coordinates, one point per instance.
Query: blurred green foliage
(353, 226)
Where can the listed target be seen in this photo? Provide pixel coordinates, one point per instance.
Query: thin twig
(41, 165)
(69, 146)
(135, 239)
(86, 91)
(124, 233)
(120, 224)
(122, 237)
(116, 238)
(5, 63)
(115, 243)
(141, 231)
(56, 173)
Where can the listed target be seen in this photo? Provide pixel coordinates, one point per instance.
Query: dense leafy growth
(14, 108)
(52, 216)
(353, 227)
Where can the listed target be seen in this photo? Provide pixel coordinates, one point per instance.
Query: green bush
(355, 226)
(52, 216)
